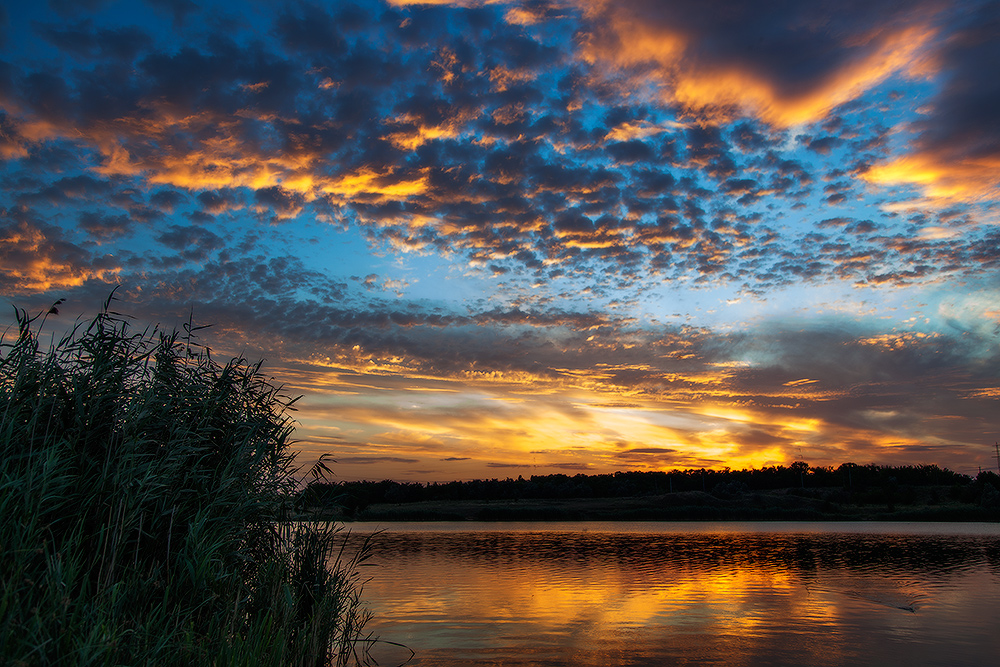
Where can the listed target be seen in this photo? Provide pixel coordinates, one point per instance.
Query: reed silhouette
(146, 492)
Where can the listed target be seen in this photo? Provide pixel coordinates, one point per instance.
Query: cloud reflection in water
(652, 594)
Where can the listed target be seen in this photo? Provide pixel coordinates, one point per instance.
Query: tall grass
(143, 497)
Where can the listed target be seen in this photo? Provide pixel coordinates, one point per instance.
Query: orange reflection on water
(533, 595)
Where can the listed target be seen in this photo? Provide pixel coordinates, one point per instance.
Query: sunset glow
(491, 239)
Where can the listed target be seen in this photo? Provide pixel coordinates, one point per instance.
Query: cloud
(218, 201)
(957, 144)
(675, 396)
(796, 374)
(70, 7)
(374, 460)
(571, 466)
(4, 25)
(310, 28)
(281, 202)
(62, 191)
(822, 145)
(36, 258)
(106, 227)
(572, 168)
(414, 156)
(84, 39)
(12, 144)
(787, 63)
(179, 9)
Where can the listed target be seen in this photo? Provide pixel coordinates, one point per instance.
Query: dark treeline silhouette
(852, 478)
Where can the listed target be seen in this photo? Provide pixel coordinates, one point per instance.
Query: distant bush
(991, 497)
(144, 491)
(729, 489)
(862, 483)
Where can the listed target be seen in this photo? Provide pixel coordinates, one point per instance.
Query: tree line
(357, 495)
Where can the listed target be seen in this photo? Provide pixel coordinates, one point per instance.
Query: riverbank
(797, 492)
(790, 504)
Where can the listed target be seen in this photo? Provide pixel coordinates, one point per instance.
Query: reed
(145, 491)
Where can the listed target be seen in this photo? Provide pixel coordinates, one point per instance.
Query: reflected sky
(629, 596)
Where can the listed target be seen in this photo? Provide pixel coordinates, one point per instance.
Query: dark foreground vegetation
(143, 495)
(796, 492)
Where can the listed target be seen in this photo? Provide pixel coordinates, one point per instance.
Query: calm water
(686, 594)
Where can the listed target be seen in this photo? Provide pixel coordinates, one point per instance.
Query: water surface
(686, 593)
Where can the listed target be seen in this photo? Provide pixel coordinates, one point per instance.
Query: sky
(491, 239)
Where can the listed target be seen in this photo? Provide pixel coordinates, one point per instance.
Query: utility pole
(997, 445)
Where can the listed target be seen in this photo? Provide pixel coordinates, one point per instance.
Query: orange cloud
(564, 427)
(943, 179)
(641, 129)
(898, 341)
(157, 146)
(412, 139)
(450, 3)
(371, 183)
(220, 158)
(674, 51)
(33, 262)
(575, 417)
(396, 414)
(503, 77)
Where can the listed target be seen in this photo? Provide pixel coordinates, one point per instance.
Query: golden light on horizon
(512, 425)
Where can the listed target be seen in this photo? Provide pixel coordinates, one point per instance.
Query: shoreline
(776, 505)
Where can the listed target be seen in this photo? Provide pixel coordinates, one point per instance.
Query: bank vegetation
(145, 491)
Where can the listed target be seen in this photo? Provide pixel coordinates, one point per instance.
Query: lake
(607, 594)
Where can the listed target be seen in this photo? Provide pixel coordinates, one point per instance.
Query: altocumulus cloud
(678, 205)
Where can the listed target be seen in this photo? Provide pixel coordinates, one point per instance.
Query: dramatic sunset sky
(491, 239)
